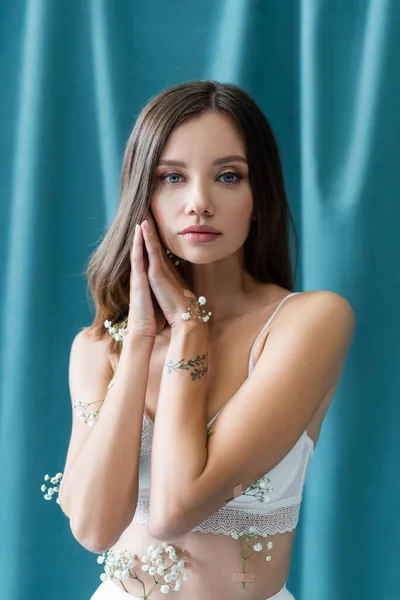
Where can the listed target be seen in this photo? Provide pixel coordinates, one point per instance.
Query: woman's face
(191, 188)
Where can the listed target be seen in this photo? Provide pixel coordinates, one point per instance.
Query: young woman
(212, 389)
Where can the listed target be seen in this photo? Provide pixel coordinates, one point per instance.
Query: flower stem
(244, 570)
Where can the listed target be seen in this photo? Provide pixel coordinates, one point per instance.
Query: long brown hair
(266, 249)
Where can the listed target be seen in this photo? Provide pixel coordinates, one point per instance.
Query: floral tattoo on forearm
(198, 366)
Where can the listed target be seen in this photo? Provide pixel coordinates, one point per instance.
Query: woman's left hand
(168, 287)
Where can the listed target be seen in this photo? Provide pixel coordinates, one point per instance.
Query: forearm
(101, 489)
(179, 453)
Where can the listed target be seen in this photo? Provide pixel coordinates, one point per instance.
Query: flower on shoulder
(87, 415)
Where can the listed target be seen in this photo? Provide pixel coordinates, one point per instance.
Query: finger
(137, 251)
(153, 250)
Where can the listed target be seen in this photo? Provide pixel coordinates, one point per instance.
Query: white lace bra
(279, 514)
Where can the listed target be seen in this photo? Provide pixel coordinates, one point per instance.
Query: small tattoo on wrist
(198, 366)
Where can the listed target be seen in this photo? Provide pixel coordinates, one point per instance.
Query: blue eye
(230, 174)
(166, 175)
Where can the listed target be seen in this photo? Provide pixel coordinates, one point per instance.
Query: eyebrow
(218, 161)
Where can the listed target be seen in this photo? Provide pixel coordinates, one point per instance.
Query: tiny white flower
(252, 529)
(235, 535)
(152, 571)
(43, 488)
(201, 300)
(100, 559)
(118, 574)
(59, 475)
(58, 500)
(164, 589)
(269, 545)
(145, 567)
(186, 316)
(103, 577)
(46, 477)
(257, 547)
(186, 576)
(268, 558)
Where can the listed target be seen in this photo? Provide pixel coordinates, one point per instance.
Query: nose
(199, 200)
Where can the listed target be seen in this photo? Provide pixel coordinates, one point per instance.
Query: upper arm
(302, 359)
(89, 375)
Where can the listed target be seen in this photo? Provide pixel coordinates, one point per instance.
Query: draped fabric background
(73, 77)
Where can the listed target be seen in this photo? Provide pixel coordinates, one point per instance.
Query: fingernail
(136, 227)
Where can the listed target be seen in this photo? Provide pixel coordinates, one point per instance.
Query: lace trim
(228, 520)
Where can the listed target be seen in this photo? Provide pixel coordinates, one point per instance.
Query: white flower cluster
(117, 330)
(202, 314)
(252, 532)
(89, 418)
(247, 537)
(261, 488)
(52, 490)
(120, 565)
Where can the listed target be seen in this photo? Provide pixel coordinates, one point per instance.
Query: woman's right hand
(145, 317)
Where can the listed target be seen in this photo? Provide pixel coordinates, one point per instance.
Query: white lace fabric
(278, 515)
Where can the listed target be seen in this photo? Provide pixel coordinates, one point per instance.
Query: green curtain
(74, 75)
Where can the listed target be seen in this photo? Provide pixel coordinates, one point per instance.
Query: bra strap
(251, 362)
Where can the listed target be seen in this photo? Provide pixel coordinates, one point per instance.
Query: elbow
(93, 541)
(166, 528)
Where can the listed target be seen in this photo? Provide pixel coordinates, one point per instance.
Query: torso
(229, 351)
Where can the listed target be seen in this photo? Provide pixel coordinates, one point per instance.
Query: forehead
(207, 136)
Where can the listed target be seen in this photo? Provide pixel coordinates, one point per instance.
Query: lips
(200, 229)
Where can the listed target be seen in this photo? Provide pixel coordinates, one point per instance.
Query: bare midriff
(211, 561)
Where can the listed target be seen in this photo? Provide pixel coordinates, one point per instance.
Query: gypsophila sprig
(251, 539)
(260, 490)
(117, 330)
(90, 417)
(201, 314)
(52, 490)
(159, 561)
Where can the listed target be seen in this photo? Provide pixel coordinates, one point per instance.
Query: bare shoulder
(332, 305)
(320, 314)
(324, 302)
(90, 356)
